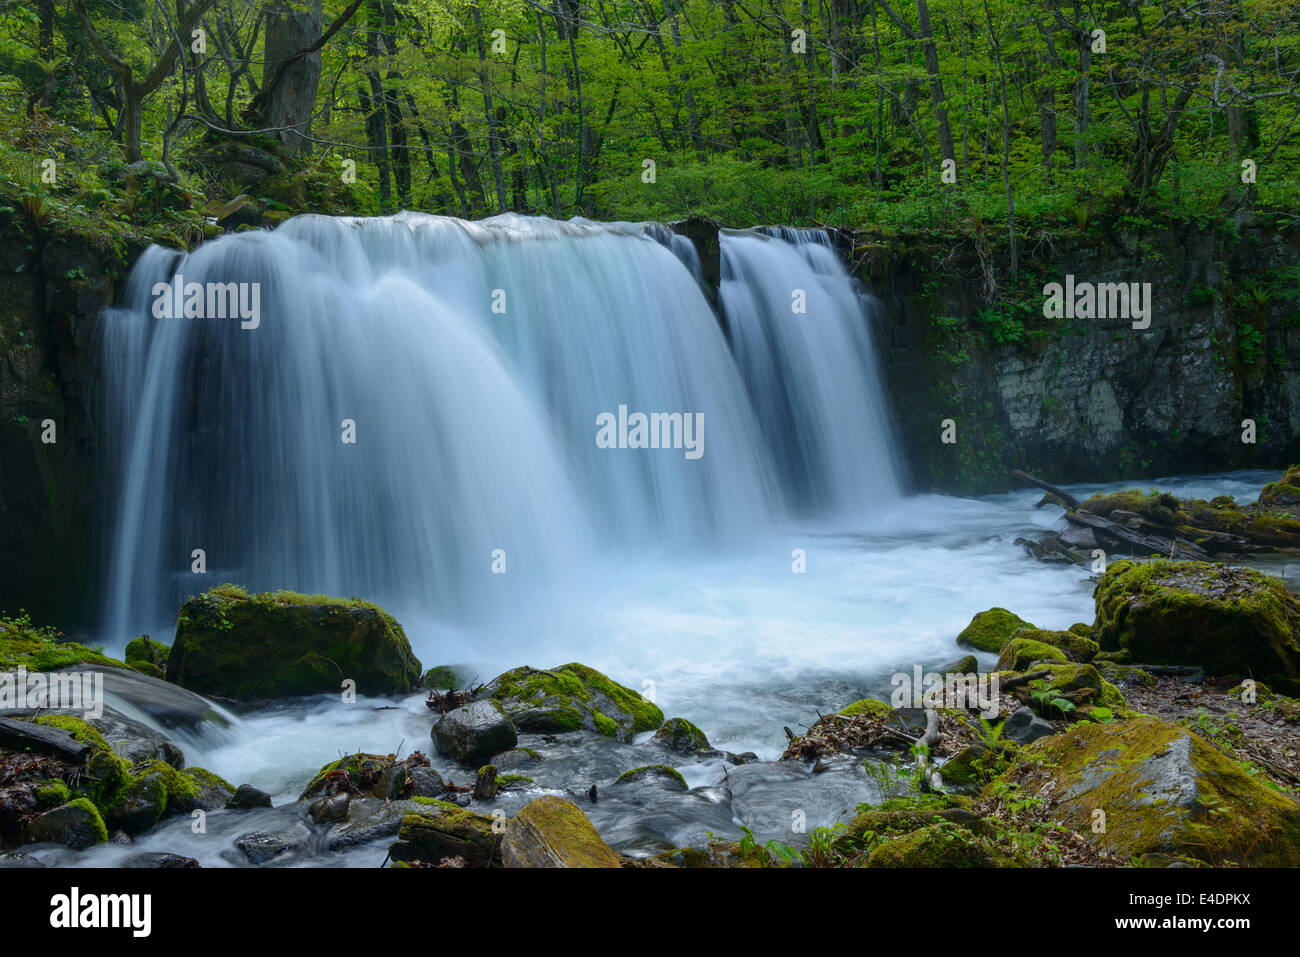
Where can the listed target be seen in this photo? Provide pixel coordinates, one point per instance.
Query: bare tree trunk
(290, 29)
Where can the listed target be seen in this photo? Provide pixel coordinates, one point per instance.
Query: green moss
(178, 787)
(943, 844)
(107, 778)
(868, 706)
(38, 648)
(1076, 647)
(52, 793)
(1019, 653)
(508, 779)
(646, 716)
(1233, 818)
(146, 651)
(606, 726)
(1065, 677)
(661, 770)
(358, 767)
(97, 820)
(83, 731)
(681, 736)
(990, 630)
(570, 697)
(1230, 621)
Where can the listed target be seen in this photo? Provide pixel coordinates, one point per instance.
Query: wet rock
(485, 785)
(211, 791)
(250, 647)
(442, 830)
(333, 807)
(370, 819)
(246, 796)
(515, 758)
(15, 859)
(158, 859)
(1023, 726)
(551, 832)
(425, 782)
(76, 824)
(572, 697)
(392, 782)
(474, 732)
(258, 847)
(681, 737)
(142, 805)
(658, 774)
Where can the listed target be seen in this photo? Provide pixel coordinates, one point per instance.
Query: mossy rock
(1067, 676)
(551, 832)
(52, 793)
(37, 649)
(939, 845)
(1076, 647)
(1164, 790)
(669, 777)
(354, 773)
(250, 647)
(572, 697)
(1284, 492)
(1019, 653)
(145, 651)
(990, 630)
(1229, 621)
(211, 791)
(681, 737)
(441, 830)
(77, 824)
(446, 677)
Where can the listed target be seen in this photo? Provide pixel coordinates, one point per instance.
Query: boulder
(441, 830)
(247, 797)
(681, 737)
(1229, 621)
(572, 697)
(1019, 653)
(145, 651)
(1162, 790)
(1023, 726)
(476, 731)
(76, 824)
(659, 774)
(1077, 647)
(990, 630)
(550, 832)
(250, 647)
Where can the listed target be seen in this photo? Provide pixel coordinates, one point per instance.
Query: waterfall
(418, 400)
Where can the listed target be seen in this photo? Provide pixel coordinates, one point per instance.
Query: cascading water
(471, 361)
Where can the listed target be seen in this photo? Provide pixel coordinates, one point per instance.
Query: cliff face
(1092, 399)
(51, 293)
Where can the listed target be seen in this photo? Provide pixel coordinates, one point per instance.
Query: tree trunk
(290, 30)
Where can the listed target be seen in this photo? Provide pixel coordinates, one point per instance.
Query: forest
(973, 115)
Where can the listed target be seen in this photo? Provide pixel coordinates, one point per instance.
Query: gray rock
(476, 731)
(247, 796)
(262, 846)
(425, 782)
(1024, 726)
(159, 859)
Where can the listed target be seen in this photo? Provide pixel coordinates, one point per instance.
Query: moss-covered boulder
(248, 647)
(1066, 678)
(944, 844)
(872, 706)
(551, 832)
(76, 824)
(1160, 789)
(1019, 653)
(1285, 492)
(681, 737)
(990, 630)
(659, 774)
(1229, 621)
(41, 648)
(358, 773)
(572, 697)
(444, 830)
(1077, 647)
(147, 652)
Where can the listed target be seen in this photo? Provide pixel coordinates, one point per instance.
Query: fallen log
(1070, 501)
(22, 735)
(1142, 544)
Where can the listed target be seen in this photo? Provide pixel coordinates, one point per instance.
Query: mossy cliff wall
(1088, 399)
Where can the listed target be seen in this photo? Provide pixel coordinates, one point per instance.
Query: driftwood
(21, 735)
(1070, 501)
(1142, 543)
